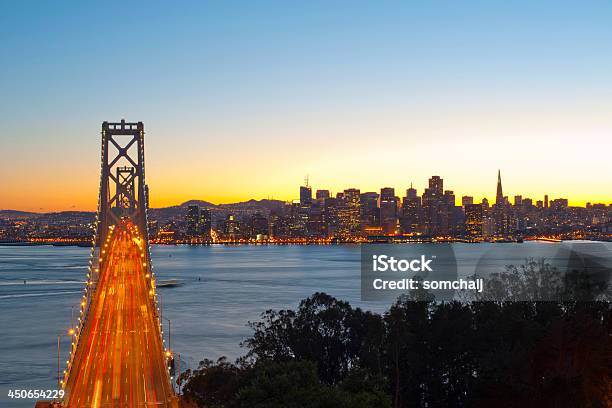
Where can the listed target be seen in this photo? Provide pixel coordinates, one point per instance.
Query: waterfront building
(205, 223)
(231, 228)
(259, 227)
(192, 220)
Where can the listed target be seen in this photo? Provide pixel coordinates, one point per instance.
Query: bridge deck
(119, 361)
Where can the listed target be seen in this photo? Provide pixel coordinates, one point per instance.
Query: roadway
(119, 360)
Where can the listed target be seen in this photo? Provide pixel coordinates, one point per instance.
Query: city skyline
(241, 102)
(490, 197)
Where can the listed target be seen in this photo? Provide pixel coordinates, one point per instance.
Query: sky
(242, 100)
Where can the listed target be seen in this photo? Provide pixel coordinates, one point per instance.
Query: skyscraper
(305, 195)
(388, 210)
(474, 217)
(193, 218)
(353, 203)
(500, 210)
(433, 206)
(370, 213)
(436, 184)
(411, 212)
(205, 223)
(499, 197)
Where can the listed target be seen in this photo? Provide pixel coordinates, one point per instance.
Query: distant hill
(162, 214)
(179, 211)
(79, 216)
(201, 203)
(17, 215)
(254, 205)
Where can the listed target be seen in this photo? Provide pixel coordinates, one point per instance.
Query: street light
(169, 334)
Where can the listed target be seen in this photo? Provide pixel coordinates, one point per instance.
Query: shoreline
(401, 242)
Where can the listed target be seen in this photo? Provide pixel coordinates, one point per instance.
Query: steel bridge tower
(123, 193)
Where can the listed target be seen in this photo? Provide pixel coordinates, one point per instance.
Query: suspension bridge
(118, 356)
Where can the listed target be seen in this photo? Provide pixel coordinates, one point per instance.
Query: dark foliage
(418, 354)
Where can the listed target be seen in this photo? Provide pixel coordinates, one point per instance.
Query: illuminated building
(315, 226)
(332, 217)
(411, 212)
(205, 223)
(259, 226)
(298, 217)
(305, 195)
(353, 207)
(153, 227)
(501, 213)
(433, 206)
(388, 210)
(499, 197)
(322, 195)
(231, 229)
(558, 204)
(474, 215)
(370, 213)
(192, 220)
(488, 227)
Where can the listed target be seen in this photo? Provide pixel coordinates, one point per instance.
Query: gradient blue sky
(242, 99)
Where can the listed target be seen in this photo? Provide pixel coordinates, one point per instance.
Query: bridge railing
(93, 273)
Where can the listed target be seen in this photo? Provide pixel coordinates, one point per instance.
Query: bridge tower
(123, 192)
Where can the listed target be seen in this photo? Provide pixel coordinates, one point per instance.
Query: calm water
(223, 288)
